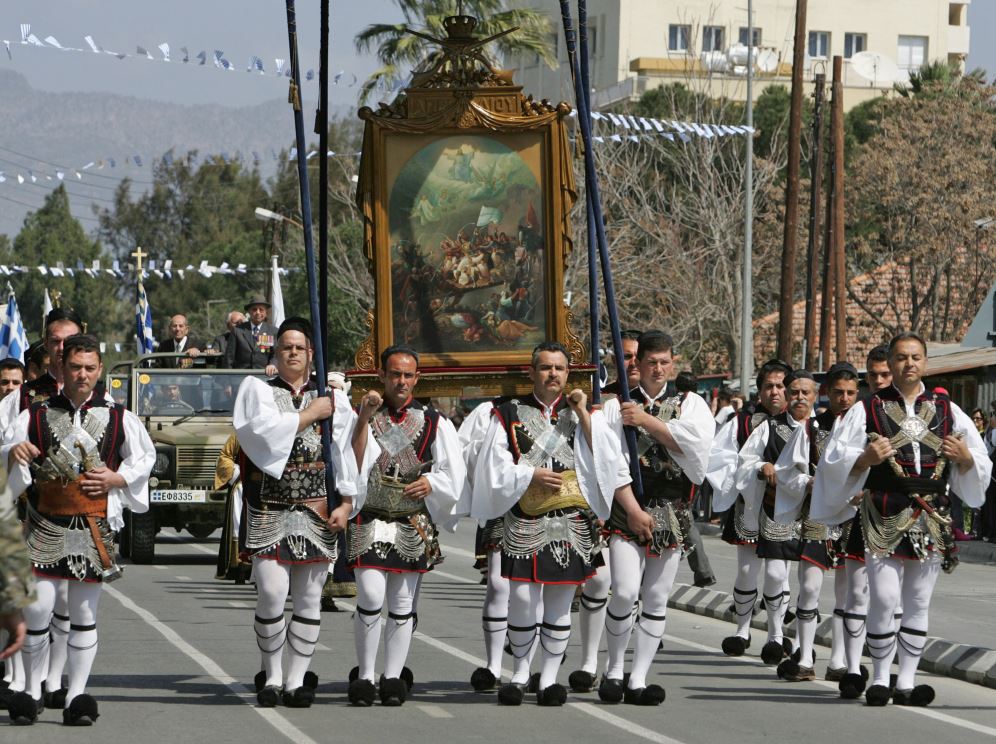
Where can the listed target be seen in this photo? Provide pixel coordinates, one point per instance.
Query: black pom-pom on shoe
(483, 680)
(24, 709)
(787, 668)
(302, 697)
(393, 691)
(772, 652)
(581, 681)
(735, 645)
(533, 684)
(82, 711)
(553, 696)
(510, 694)
(919, 697)
(268, 697)
(57, 699)
(647, 696)
(354, 674)
(310, 681)
(259, 681)
(361, 693)
(851, 686)
(408, 678)
(611, 690)
(877, 696)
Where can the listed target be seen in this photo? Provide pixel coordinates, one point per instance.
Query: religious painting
(467, 235)
(465, 187)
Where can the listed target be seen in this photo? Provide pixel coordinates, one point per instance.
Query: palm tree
(399, 52)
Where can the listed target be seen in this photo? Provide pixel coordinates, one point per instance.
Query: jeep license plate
(178, 497)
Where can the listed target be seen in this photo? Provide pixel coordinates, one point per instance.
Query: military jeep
(188, 414)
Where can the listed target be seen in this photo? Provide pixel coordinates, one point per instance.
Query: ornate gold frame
(461, 94)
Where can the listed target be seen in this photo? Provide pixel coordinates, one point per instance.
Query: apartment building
(637, 45)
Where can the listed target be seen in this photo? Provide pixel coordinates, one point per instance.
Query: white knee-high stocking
(494, 619)
(371, 587)
(401, 590)
(658, 579)
(591, 615)
(305, 623)
(523, 607)
(627, 561)
(555, 630)
(82, 642)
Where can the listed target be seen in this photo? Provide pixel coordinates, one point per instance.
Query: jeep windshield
(181, 394)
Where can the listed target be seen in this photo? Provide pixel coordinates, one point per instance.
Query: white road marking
(184, 578)
(434, 711)
(458, 551)
(454, 577)
(271, 716)
(200, 548)
(629, 727)
(160, 568)
(936, 715)
(240, 605)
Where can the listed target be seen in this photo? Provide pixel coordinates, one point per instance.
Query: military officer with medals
(740, 527)
(675, 433)
(82, 460)
(902, 450)
(821, 547)
(549, 467)
(287, 527)
(415, 486)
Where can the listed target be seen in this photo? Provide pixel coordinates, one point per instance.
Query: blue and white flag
(13, 339)
(143, 322)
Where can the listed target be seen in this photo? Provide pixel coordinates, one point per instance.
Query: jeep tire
(141, 537)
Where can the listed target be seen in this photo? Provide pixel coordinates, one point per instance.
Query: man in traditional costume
(674, 436)
(820, 547)
(779, 543)
(905, 447)
(289, 526)
(82, 460)
(852, 679)
(741, 524)
(415, 485)
(549, 467)
(60, 324)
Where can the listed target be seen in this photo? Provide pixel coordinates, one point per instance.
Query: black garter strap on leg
(593, 603)
(618, 619)
(906, 643)
(774, 602)
(547, 631)
(860, 627)
(880, 651)
(292, 636)
(839, 613)
(400, 619)
(749, 603)
(655, 618)
(502, 620)
(260, 637)
(527, 645)
(807, 614)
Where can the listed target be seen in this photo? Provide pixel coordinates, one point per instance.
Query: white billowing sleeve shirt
(499, 482)
(693, 430)
(266, 435)
(835, 483)
(471, 435)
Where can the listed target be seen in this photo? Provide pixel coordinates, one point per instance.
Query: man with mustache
(741, 524)
(901, 450)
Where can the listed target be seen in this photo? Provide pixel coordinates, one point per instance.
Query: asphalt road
(177, 656)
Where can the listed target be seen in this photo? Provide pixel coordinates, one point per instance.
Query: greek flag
(143, 322)
(13, 339)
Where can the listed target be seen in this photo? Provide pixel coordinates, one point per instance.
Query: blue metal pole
(309, 247)
(591, 186)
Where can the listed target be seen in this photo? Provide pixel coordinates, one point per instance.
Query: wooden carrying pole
(815, 224)
(792, 188)
(840, 271)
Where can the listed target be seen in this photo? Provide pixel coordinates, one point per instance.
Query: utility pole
(792, 188)
(815, 186)
(747, 303)
(840, 270)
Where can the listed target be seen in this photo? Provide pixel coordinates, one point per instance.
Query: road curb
(958, 660)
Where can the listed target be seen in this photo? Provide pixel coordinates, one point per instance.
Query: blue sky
(240, 28)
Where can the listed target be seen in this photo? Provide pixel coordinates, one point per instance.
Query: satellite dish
(876, 68)
(767, 60)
